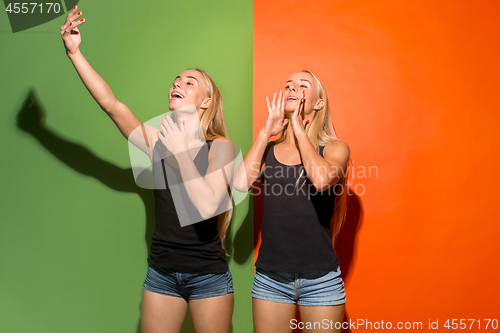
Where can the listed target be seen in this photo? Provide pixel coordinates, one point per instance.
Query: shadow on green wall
(31, 119)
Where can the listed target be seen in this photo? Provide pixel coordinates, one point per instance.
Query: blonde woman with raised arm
(187, 263)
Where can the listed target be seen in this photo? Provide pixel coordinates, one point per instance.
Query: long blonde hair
(320, 133)
(212, 126)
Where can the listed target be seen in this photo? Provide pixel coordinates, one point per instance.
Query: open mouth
(292, 98)
(176, 95)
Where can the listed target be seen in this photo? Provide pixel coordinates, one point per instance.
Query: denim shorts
(186, 285)
(325, 288)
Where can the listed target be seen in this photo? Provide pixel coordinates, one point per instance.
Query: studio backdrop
(413, 90)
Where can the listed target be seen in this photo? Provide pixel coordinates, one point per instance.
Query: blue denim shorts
(186, 285)
(325, 288)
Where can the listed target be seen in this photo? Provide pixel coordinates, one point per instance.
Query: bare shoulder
(338, 149)
(223, 150)
(222, 143)
(222, 139)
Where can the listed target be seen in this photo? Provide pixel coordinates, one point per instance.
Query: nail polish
(79, 13)
(82, 20)
(74, 7)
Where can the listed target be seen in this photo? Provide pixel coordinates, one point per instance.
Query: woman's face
(188, 89)
(295, 85)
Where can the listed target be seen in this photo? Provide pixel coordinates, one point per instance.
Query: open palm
(276, 115)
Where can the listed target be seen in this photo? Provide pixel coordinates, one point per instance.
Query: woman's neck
(290, 135)
(191, 126)
(290, 138)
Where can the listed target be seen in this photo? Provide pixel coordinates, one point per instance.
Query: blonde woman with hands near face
(302, 174)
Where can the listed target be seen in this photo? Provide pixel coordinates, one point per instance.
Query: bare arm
(121, 115)
(323, 171)
(253, 164)
(208, 192)
(249, 171)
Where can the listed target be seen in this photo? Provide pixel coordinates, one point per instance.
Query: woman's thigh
(272, 317)
(323, 318)
(322, 302)
(212, 314)
(320, 297)
(210, 298)
(162, 313)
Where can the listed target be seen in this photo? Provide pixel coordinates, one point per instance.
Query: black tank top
(296, 236)
(194, 248)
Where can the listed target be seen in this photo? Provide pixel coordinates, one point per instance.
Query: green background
(74, 227)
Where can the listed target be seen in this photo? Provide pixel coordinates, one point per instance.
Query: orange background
(414, 91)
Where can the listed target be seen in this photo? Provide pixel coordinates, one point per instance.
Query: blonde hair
(212, 126)
(320, 133)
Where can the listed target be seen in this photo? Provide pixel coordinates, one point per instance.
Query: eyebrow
(191, 77)
(299, 80)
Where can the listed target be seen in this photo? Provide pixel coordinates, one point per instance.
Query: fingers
(71, 13)
(300, 107)
(163, 129)
(164, 126)
(168, 125)
(183, 127)
(161, 137)
(76, 24)
(282, 109)
(71, 17)
(70, 23)
(280, 101)
(277, 104)
(171, 123)
(72, 28)
(295, 112)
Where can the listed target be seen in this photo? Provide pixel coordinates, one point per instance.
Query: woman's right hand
(70, 33)
(276, 118)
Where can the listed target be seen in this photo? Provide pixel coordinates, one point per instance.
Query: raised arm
(121, 115)
(253, 162)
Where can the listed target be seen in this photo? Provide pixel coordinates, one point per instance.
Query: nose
(293, 87)
(177, 85)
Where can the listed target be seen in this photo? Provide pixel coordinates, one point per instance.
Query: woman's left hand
(174, 138)
(297, 119)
